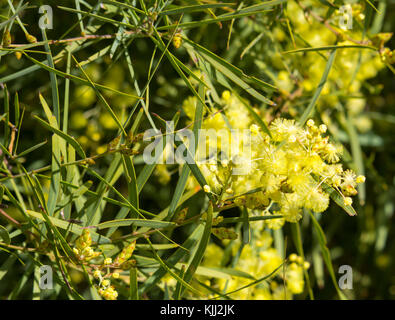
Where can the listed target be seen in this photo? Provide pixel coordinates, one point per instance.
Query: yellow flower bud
(293, 257)
(299, 260)
(18, 55)
(88, 251)
(254, 129)
(84, 240)
(97, 274)
(30, 38)
(336, 181)
(177, 40)
(105, 283)
(226, 95)
(291, 138)
(323, 128)
(347, 201)
(224, 163)
(310, 123)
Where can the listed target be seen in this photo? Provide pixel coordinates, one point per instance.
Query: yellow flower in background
(162, 173)
(294, 278)
(84, 96)
(289, 166)
(78, 120)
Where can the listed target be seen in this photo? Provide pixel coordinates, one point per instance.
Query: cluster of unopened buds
(344, 181)
(387, 56)
(224, 233)
(294, 258)
(107, 269)
(122, 261)
(126, 148)
(177, 40)
(294, 273)
(83, 250)
(106, 290)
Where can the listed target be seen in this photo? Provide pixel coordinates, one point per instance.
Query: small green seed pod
(128, 264)
(6, 38)
(30, 38)
(126, 253)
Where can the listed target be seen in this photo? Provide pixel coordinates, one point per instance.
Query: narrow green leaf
(324, 48)
(172, 273)
(134, 293)
(173, 259)
(176, 67)
(72, 227)
(261, 6)
(124, 5)
(77, 147)
(310, 109)
(251, 284)
(194, 8)
(98, 17)
(250, 219)
(53, 78)
(102, 99)
(5, 235)
(256, 117)
(357, 158)
(177, 292)
(31, 149)
(299, 247)
(224, 17)
(132, 181)
(155, 224)
(180, 187)
(77, 79)
(246, 225)
(197, 258)
(232, 73)
(7, 117)
(326, 253)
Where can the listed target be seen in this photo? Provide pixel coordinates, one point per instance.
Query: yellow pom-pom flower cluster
(290, 167)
